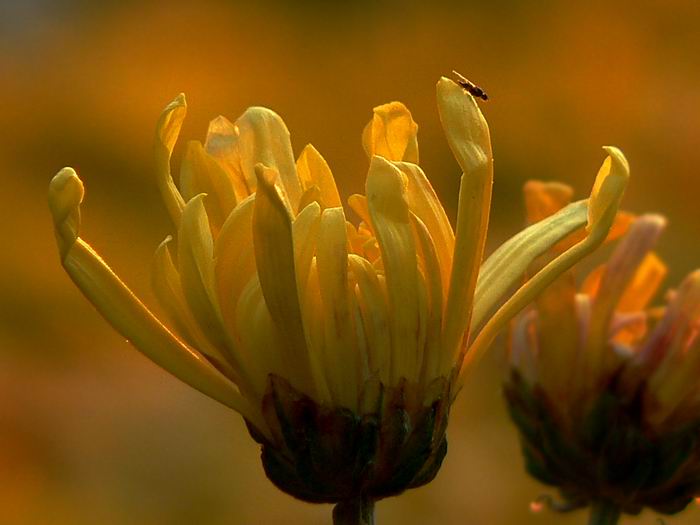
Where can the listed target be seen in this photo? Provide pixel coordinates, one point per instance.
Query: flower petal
(386, 196)
(167, 131)
(391, 133)
(468, 137)
(608, 190)
(120, 307)
(221, 143)
(332, 266)
(201, 173)
(313, 170)
(423, 201)
(507, 266)
(274, 259)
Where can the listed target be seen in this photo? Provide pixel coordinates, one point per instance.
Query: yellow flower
(342, 345)
(604, 387)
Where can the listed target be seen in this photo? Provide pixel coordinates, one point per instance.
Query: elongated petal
(375, 317)
(264, 139)
(391, 134)
(507, 266)
(386, 196)
(607, 187)
(165, 280)
(274, 259)
(468, 137)
(195, 259)
(201, 173)
(234, 258)
(431, 275)
(305, 233)
(332, 266)
(313, 170)
(167, 131)
(423, 201)
(222, 144)
(124, 311)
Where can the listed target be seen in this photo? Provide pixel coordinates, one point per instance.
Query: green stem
(358, 511)
(603, 513)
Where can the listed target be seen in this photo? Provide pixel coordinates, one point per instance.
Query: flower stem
(603, 513)
(359, 511)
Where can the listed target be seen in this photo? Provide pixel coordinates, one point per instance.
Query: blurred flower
(604, 388)
(341, 345)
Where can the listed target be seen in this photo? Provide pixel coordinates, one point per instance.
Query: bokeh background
(90, 431)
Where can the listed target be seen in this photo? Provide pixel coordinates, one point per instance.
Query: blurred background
(90, 431)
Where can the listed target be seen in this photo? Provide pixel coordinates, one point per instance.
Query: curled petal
(392, 134)
(122, 309)
(167, 131)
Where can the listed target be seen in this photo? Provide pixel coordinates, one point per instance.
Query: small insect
(475, 90)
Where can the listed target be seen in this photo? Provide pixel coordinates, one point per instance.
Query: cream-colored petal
(391, 133)
(386, 197)
(468, 137)
(234, 258)
(221, 143)
(274, 259)
(313, 170)
(305, 234)
(120, 307)
(263, 138)
(201, 173)
(605, 198)
(507, 266)
(332, 266)
(167, 131)
(195, 260)
(423, 201)
(375, 317)
(433, 289)
(165, 281)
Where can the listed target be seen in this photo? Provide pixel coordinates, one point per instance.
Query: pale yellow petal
(195, 262)
(201, 173)
(120, 307)
(392, 133)
(507, 266)
(599, 226)
(375, 317)
(386, 196)
(234, 258)
(167, 131)
(468, 137)
(274, 259)
(221, 143)
(433, 285)
(313, 170)
(423, 201)
(332, 266)
(263, 138)
(305, 234)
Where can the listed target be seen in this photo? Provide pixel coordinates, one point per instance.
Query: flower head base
(341, 344)
(604, 388)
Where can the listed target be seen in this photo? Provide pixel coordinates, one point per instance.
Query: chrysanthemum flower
(341, 344)
(604, 388)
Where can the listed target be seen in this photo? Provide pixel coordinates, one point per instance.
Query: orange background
(91, 432)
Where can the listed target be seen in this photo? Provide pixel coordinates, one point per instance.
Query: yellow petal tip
(609, 187)
(65, 195)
